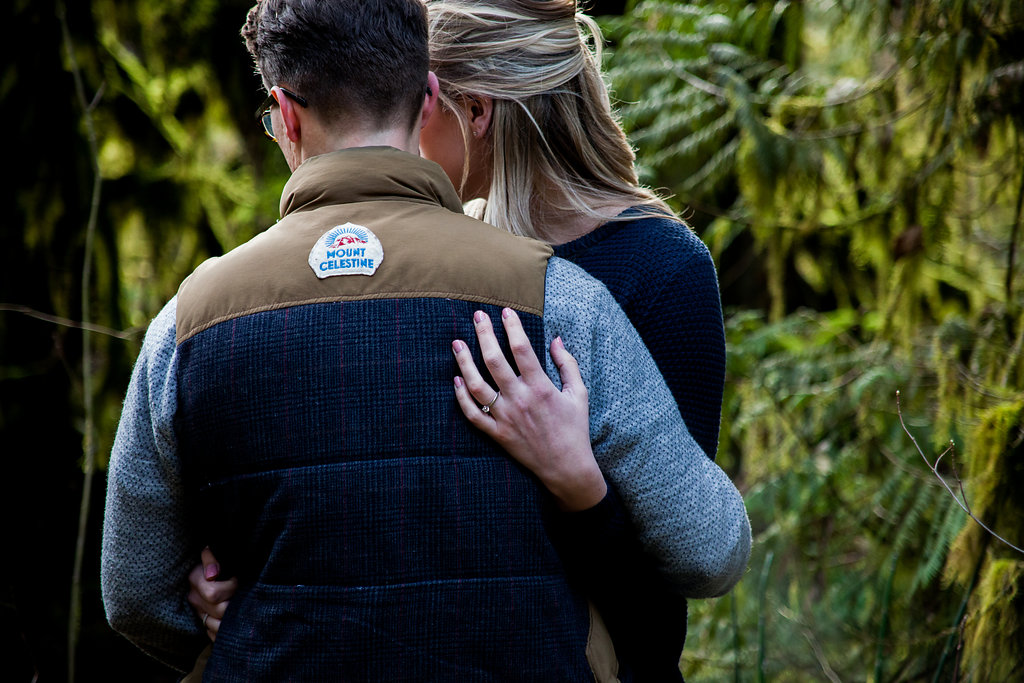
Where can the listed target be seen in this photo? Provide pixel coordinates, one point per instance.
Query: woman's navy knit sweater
(663, 277)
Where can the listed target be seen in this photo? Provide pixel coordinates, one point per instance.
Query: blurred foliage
(857, 169)
(186, 174)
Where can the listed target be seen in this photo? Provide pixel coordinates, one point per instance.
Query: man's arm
(687, 513)
(147, 552)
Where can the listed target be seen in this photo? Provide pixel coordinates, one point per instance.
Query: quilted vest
(375, 534)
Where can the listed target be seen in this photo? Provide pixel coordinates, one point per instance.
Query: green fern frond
(936, 549)
(715, 170)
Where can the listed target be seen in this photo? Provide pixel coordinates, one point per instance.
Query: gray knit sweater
(687, 512)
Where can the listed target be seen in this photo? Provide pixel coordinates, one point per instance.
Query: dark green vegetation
(857, 169)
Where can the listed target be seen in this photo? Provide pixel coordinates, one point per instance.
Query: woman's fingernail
(558, 340)
(506, 312)
(458, 382)
(479, 316)
(456, 346)
(211, 571)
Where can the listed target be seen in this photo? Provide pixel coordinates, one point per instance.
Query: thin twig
(900, 465)
(808, 633)
(851, 129)
(959, 648)
(935, 470)
(89, 446)
(66, 322)
(696, 81)
(819, 654)
(959, 480)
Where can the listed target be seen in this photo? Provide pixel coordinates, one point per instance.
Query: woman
(525, 104)
(527, 130)
(527, 124)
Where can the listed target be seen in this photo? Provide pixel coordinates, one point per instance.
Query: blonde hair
(557, 145)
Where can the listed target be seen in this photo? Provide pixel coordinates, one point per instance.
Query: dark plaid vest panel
(375, 535)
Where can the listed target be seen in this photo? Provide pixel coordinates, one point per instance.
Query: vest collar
(363, 174)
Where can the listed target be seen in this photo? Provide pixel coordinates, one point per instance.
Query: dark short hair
(366, 59)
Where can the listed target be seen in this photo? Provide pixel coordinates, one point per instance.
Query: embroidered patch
(348, 249)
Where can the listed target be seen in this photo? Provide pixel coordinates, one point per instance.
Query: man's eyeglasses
(263, 113)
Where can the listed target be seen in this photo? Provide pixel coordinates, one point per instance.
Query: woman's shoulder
(670, 230)
(654, 237)
(640, 256)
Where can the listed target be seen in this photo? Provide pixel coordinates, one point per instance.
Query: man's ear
(290, 116)
(480, 110)
(430, 100)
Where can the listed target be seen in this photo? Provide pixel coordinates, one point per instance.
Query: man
(292, 407)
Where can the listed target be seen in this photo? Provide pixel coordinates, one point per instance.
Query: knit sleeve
(146, 552)
(687, 513)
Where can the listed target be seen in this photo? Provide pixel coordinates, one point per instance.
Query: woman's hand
(209, 597)
(544, 429)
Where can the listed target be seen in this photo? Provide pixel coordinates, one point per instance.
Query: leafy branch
(934, 467)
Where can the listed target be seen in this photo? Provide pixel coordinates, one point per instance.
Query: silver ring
(205, 617)
(487, 408)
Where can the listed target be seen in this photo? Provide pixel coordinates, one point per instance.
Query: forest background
(856, 168)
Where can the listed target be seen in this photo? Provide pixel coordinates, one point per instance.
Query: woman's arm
(548, 432)
(686, 511)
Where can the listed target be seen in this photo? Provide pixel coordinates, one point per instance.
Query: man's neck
(407, 141)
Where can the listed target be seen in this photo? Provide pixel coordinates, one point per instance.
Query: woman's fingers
(476, 393)
(212, 627)
(493, 357)
(522, 350)
(471, 409)
(195, 598)
(568, 369)
(542, 428)
(476, 397)
(208, 596)
(217, 594)
(476, 387)
(213, 590)
(211, 568)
